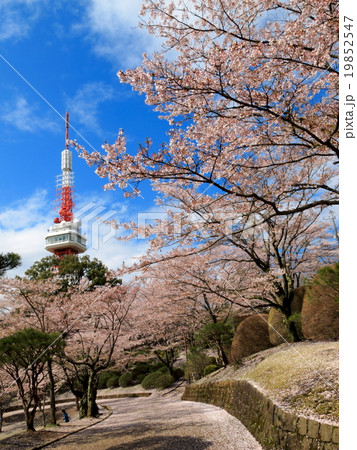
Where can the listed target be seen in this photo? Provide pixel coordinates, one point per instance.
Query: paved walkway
(162, 424)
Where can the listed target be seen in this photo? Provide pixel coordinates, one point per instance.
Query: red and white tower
(64, 237)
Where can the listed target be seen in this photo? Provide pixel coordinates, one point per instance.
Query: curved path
(162, 424)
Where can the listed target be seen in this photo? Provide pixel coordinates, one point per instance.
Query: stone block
(330, 446)
(313, 429)
(335, 435)
(284, 420)
(326, 432)
(301, 426)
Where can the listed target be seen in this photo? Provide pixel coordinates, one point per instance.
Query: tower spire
(67, 126)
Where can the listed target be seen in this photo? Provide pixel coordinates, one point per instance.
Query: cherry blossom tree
(250, 269)
(32, 304)
(250, 90)
(23, 357)
(96, 327)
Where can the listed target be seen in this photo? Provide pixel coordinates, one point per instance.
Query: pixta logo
(94, 223)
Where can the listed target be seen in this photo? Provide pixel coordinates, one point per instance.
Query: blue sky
(59, 56)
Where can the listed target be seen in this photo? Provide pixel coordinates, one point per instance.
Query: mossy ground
(301, 377)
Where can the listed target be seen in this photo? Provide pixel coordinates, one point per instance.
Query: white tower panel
(66, 160)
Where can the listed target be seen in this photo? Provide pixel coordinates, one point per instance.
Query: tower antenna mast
(67, 133)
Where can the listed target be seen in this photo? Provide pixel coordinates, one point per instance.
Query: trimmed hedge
(157, 380)
(251, 336)
(210, 369)
(150, 380)
(320, 310)
(164, 381)
(112, 381)
(103, 378)
(125, 379)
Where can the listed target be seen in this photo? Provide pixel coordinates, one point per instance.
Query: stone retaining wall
(269, 424)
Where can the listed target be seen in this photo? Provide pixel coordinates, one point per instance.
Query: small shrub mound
(103, 378)
(113, 381)
(140, 378)
(251, 336)
(210, 369)
(178, 373)
(164, 381)
(150, 380)
(319, 314)
(125, 379)
(140, 368)
(157, 380)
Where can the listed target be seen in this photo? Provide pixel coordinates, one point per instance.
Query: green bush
(157, 380)
(125, 379)
(164, 381)
(140, 368)
(150, 380)
(103, 378)
(155, 366)
(178, 373)
(210, 369)
(112, 381)
(140, 378)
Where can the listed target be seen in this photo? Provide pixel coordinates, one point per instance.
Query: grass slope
(300, 377)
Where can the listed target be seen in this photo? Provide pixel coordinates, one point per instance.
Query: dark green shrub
(210, 369)
(163, 370)
(140, 368)
(150, 380)
(112, 381)
(156, 366)
(140, 378)
(125, 379)
(178, 373)
(103, 378)
(164, 381)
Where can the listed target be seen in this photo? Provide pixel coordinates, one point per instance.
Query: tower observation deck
(64, 237)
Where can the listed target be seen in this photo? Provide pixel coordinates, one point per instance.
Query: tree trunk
(30, 418)
(83, 406)
(292, 330)
(222, 353)
(92, 407)
(52, 393)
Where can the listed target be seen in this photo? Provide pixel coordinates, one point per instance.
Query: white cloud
(24, 225)
(25, 213)
(17, 17)
(84, 105)
(23, 116)
(27, 242)
(113, 30)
